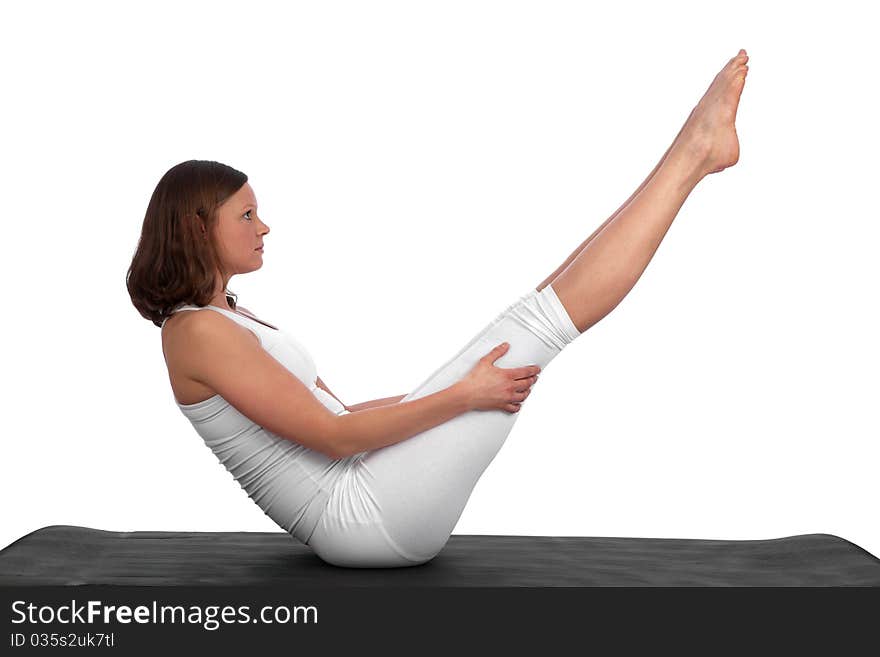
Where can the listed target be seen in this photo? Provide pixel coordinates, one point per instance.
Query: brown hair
(173, 262)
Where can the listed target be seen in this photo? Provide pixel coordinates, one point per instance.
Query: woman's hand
(489, 387)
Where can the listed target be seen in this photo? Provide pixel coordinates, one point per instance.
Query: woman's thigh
(414, 491)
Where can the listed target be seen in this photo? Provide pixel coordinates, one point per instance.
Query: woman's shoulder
(177, 335)
(184, 325)
(180, 332)
(177, 326)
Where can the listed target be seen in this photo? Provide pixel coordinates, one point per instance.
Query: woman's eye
(247, 213)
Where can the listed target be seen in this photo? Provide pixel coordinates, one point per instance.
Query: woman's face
(240, 232)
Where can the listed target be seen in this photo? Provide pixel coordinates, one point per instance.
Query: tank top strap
(240, 319)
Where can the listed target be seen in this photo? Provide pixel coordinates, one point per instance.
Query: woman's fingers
(525, 384)
(525, 378)
(520, 395)
(524, 372)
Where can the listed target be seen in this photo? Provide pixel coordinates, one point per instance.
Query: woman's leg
(583, 244)
(396, 506)
(599, 276)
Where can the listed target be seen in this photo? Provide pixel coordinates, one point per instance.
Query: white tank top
(288, 481)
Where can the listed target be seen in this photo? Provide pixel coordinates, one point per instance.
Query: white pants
(397, 505)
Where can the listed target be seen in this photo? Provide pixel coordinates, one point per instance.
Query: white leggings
(397, 505)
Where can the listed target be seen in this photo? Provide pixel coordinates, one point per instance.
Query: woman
(381, 484)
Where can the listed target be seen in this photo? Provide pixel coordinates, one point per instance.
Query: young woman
(383, 483)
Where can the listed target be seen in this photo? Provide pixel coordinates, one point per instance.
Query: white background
(422, 165)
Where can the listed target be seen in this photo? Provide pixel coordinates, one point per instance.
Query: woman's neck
(224, 300)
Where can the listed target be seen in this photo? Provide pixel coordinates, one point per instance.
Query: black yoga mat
(70, 555)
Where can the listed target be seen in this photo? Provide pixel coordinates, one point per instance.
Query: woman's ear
(201, 223)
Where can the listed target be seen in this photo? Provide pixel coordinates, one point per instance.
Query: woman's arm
(376, 402)
(359, 407)
(386, 425)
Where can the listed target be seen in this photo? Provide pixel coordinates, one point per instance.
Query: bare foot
(709, 132)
